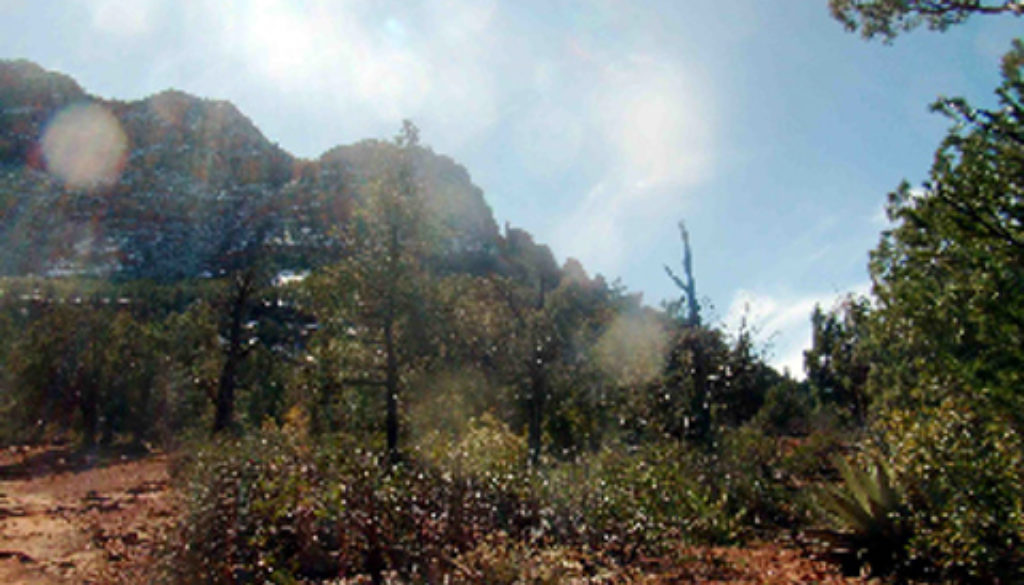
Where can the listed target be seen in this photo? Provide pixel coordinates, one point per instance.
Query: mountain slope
(171, 186)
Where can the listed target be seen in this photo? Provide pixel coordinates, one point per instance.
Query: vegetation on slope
(393, 387)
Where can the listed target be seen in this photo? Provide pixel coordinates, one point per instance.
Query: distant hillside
(170, 186)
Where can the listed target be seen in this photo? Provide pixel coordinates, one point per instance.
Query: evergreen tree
(838, 361)
(888, 18)
(376, 297)
(949, 277)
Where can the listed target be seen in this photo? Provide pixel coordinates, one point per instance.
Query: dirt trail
(71, 518)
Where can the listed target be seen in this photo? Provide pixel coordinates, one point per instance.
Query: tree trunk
(90, 414)
(701, 406)
(538, 388)
(143, 420)
(225, 403)
(535, 413)
(391, 372)
(391, 387)
(225, 400)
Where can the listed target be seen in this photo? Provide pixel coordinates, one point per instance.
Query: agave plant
(869, 505)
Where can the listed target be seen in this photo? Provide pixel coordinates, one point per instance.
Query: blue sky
(595, 125)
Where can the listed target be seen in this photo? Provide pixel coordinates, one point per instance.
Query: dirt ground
(68, 517)
(765, 563)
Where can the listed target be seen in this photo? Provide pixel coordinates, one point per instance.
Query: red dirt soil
(69, 517)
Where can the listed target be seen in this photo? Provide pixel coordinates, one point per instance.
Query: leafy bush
(628, 503)
(963, 472)
(280, 505)
(807, 460)
(499, 560)
(253, 511)
(786, 410)
(487, 447)
(755, 473)
(274, 506)
(271, 507)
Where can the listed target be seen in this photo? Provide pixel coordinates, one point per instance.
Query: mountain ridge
(187, 179)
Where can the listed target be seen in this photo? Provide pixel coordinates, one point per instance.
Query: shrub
(748, 467)
(807, 460)
(486, 448)
(786, 410)
(871, 508)
(254, 512)
(499, 560)
(628, 503)
(276, 506)
(963, 471)
(271, 507)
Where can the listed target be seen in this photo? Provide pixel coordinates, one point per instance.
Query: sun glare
(85, 146)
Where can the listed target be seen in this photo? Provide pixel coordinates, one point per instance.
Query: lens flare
(85, 146)
(632, 351)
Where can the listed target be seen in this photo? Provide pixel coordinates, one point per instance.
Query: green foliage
(871, 507)
(273, 507)
(634, 503)
(139, 360)
(82, 364)
(806, 460)
(708, 384)
(787, 410)
(280, 505)
(963, 470)
(377, 298)
(888, 18)
(941, 346)
(838, 362)
(948, 277)
(486, 448)
(645, 499)
(253, 507)
(756, 474)
(743, 380)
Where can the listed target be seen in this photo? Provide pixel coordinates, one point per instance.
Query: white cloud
(462, 22)
(657, 122)
(126, 18)
(372, 64)
(656, 115)
(782, 320)
(593, 233)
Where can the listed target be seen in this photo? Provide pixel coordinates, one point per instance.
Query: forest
(357, 377)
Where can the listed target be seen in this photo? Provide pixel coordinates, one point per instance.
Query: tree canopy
(949, 277)
(888, 18)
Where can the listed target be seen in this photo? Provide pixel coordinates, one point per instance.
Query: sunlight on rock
(85, 146)
(169, 107)
(632, 351)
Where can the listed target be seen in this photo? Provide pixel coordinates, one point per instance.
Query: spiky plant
(869, 506)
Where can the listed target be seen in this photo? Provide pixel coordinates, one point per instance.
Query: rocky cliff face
(173, 186)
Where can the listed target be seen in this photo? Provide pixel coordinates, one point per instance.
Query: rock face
(174, 186)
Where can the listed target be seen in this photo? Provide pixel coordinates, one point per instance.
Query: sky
(596, 125)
